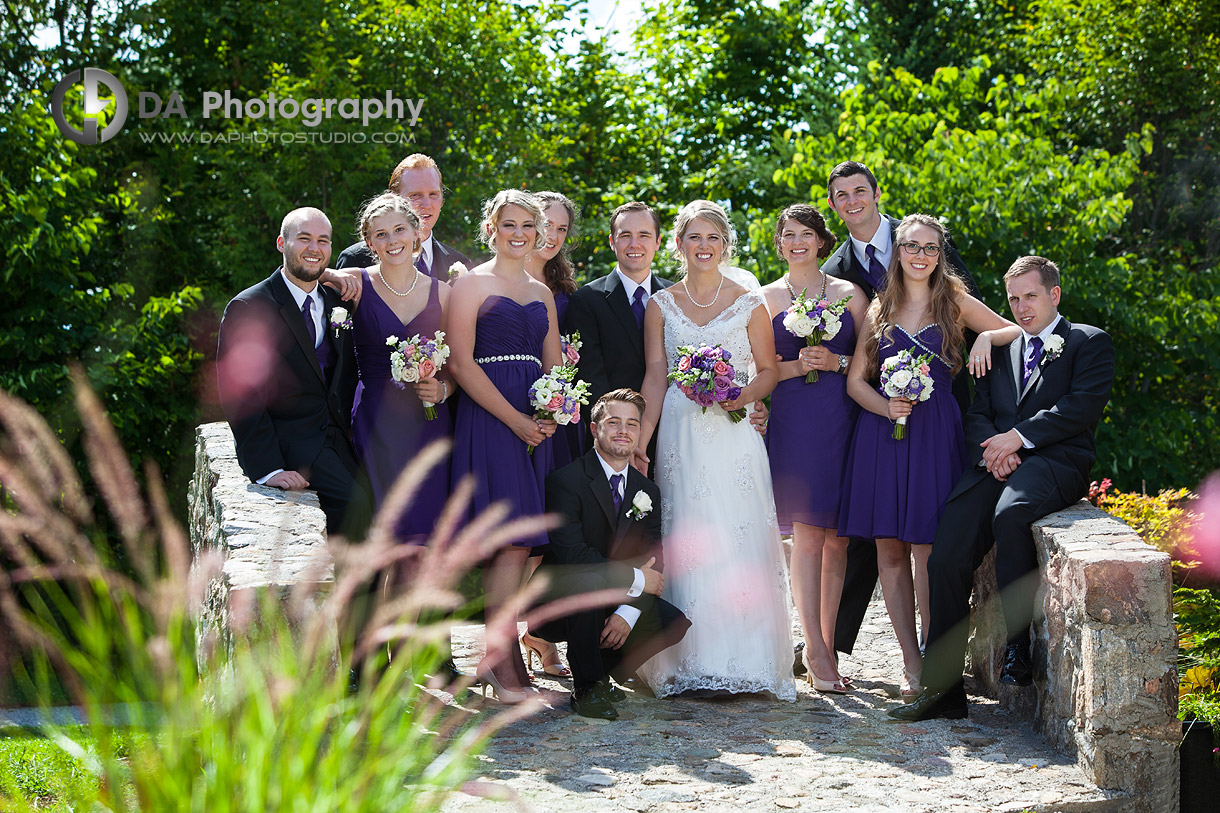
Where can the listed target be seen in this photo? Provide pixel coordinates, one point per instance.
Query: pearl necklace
(399, 293)
(792, 291)
(697, 304)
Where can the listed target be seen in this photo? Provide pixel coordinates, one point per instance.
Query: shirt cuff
(1024, 440)
(629, 614)
(637, 586)
(262, 481)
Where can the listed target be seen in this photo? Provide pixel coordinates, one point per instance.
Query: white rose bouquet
(814, 320)
(907, 376)
(416, 359)
(558, 396)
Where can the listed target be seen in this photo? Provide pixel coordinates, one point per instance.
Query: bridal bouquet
(814, 320)
(416, 359)
(906, 376)
(558, 396)
(705, 376)
(570, 345)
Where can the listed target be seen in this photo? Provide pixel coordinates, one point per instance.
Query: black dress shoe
(592, 703)
(1018, 668)
(611, 692)
(798, 664)
(949, 704)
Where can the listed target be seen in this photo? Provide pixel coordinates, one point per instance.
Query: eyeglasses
(930, 250)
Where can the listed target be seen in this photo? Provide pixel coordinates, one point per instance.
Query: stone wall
(1105, 653)
(264, 536)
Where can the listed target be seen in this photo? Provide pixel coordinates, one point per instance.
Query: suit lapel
(600, 486)
(1061, 330)
(331, 335)
(295, 320)
(1018, 364)
(633, 486)
(616, 298)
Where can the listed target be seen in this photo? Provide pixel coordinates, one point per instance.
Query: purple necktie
(616, 480)
(876, 271)
(637, 307)
(307, 312)
(422, 265)
(1034, 357)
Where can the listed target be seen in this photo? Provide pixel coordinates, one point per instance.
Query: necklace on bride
(792, 291)
(699, 304)
(390, 288)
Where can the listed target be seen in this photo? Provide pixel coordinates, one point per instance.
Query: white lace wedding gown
(724, 565)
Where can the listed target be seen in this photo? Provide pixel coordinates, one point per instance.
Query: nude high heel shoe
(823, 686)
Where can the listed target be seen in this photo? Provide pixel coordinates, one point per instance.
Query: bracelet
(444, 391)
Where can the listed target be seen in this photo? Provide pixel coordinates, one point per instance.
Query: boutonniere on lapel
(641, 506)
(1053, 348)
(340, 319)
(457, 270)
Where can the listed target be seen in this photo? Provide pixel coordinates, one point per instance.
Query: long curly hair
(947, 289)
(558, 273)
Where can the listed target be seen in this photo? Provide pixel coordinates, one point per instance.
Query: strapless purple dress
(898, 488)
(388, 423)
(508, 346)
(808, 433)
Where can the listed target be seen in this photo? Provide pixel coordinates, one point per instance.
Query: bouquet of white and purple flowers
(558, 396)
(705, 376)
(814, 320)
(570, 345)
(416, 359)
(906, 376)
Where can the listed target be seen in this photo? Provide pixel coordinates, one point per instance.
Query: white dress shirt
(625, 611)
(427, 250)
(881, 241)
(1026, 349)
(629, 286)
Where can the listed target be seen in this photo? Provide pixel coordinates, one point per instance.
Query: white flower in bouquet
(901, 378)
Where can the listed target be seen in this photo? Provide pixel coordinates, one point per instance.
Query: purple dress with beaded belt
(388, 423)
(898, 488)
(508, 346)
(808, 432)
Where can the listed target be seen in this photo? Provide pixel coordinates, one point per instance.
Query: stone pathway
(820, 753)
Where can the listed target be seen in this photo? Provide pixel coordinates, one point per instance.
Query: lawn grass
(39, 772)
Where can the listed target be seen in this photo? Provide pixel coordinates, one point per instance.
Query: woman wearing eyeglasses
(895, 489)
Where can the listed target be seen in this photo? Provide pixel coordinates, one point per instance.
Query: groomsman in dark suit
(863, 258)
(609, 539)
(609, 311)
(418, 179)
(287, 378)
(1031, 427)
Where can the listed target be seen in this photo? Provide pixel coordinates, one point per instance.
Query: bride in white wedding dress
(724, 565)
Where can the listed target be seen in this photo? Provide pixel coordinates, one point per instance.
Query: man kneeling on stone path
(1032, 427)
(609, 538)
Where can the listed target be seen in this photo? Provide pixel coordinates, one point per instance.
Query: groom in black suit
(1031, 427)
(418, 179)
(287, 377)
(863, 258)
(609, 539)
(609, 312)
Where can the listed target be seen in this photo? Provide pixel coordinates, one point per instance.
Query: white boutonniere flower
(1053, 349)
(340, 319)
(457, 269)
(641, 506)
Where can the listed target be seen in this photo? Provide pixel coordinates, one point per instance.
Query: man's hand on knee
(615, 632)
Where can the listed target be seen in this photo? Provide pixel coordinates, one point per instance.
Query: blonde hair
(384, 204)
(711, 212)
(514, 197)
(947, 289)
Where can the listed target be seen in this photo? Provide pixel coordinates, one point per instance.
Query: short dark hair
(635, 206)
(1048, 272)
(847, 169)
(624, 395)
(809, 216)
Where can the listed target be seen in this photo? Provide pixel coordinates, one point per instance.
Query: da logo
(94, 105)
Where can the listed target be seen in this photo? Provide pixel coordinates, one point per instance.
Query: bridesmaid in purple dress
(808, 433)
(896, 490)
(552, 266)
(503, 334)
(388, 420)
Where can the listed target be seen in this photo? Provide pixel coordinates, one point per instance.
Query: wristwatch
(844, 363)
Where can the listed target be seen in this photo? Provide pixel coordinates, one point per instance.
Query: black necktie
(616, 480)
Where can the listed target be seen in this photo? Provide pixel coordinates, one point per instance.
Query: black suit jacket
(1057, 410)
(271, 386)
(612, 352)
(844, 264)
(591, 536)
(357, 255)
